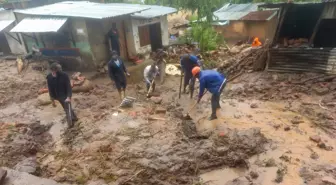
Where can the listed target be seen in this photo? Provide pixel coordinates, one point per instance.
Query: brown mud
(263, 134)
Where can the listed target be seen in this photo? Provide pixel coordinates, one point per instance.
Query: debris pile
(181, 160)
(296, 43)
(19, 141)
(246, 59)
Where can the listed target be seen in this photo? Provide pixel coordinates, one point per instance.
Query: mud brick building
(240, 22)
(77, 30)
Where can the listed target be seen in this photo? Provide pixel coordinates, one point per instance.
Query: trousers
(215, 98)
(65, 107)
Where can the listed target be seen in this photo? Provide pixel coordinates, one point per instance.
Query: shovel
(187, 116)
(151, 88)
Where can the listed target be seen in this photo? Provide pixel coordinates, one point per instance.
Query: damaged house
(304, 40)
(242, 22)
(76, 32)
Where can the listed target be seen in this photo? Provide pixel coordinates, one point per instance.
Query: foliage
(203, 34)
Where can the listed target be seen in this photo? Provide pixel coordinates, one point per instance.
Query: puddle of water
(222, 176)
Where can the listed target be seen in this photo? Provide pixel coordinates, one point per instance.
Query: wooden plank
(283, 12)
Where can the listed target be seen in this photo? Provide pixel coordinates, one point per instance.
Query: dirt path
(267, 130)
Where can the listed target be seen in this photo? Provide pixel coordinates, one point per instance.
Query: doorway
(155, 36)
(4, 46)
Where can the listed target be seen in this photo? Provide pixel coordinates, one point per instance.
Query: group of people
(211, 80)
(60, 87)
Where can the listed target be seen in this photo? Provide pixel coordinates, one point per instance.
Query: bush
(204, 34)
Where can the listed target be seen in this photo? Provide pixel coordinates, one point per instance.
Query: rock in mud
(315, 138)
(321, 90)
(276, 126)
(297, 120)
(43, 99)
(322, 145)
(160, 110)
(85, 87)
(254, 105)
(254, 174)
(329, 180)
(22, 178)
(314, 156)
(28, 165)
(281, 172)
(3, 174)
(239, 181)
(287, 128)
(156, 100)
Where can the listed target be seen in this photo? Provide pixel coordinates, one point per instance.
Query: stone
(254, 105)
(160, 110)
(314, 155)
(297, 120)
(28, 165)
(254, 174)
(43, 99)
(322, 145)
(21, 178)
(285, 158)
(287, 128)
(156, 100)
(3, 174)
(329, 180)
(315, 138)
(277, 126)
(321, 90)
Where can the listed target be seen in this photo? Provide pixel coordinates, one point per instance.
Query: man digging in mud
(188, 62)
(150, 72)
(214, 82)
(60, 88)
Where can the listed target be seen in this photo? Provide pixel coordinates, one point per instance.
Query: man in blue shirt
(188, 62)
(214, 82)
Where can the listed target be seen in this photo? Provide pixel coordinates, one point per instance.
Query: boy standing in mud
(60, 88)
(150, 72)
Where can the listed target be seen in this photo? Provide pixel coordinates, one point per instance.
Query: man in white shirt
(150, 72)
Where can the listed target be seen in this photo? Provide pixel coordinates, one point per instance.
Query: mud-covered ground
(272, 129)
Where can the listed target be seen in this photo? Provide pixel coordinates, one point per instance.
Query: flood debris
(23, 140)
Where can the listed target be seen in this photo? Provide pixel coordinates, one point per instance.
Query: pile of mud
(19, 141)
(18, 88)
(181, 161)
(315, 174)
(277, 86)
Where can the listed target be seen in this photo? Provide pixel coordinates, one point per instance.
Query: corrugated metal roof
(259, 15)
(279, 5)
(35, 25)
(154, 11)
(83, 9)
(5, 23)
(235, 11)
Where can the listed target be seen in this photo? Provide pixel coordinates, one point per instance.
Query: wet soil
(262, 135)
